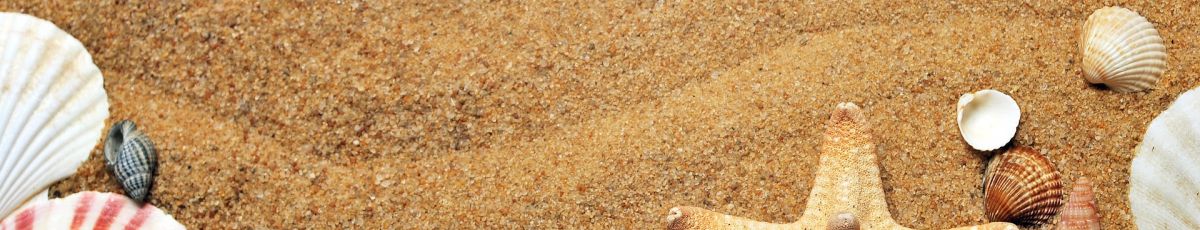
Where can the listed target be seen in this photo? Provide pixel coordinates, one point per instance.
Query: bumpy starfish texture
(847, 182)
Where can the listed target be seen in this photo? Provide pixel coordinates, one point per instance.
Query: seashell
(90, 210)
(132, 158)
(1080, 211)
(1121, 50)
(1164, 178)
(53, 107)
(843, 221)
(1021, 187)
(987, 119)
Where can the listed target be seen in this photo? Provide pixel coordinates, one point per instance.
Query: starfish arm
(990, 226)
(847, 178)
(847, 181)
(698, 218)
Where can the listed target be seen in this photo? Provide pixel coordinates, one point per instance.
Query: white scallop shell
(1122, 50)
(90, 210)
(987, 119)
(1164, 179)
(52, 107)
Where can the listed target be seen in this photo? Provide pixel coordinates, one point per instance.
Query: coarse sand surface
(591, 114)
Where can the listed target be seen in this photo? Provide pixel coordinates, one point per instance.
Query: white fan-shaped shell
(987, 119)
(89, 210)
(1164, 183)
(52, 107)
(1122, 50)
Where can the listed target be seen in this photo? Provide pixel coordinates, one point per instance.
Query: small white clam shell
(1164, 177)
(1122, 50)
(987, 119)
(52, 107)
(90, 210)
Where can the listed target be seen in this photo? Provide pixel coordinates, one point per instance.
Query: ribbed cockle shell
(1022, 187)
(52, 107)
(1122, 50)
(1080, 211)
(132, 158)
(89, 210)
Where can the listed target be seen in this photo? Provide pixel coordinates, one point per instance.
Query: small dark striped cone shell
(1022, 187)
(1080, 211)
(843, 221)
(132, 158)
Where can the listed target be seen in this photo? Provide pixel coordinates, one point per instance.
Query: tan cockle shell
(1122, 50)
(1022, 187)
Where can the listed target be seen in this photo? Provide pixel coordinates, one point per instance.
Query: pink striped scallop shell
(89, 210)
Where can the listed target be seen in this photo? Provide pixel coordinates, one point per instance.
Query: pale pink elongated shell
(89, 210)
(1080, 211)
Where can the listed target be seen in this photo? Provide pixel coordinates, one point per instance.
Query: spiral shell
(89, 210)
(1022, 187)
(1122, 50)
(1080, 211)
(52, 107)
(132, 158)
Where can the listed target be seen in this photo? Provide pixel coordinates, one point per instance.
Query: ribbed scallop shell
(132, 158)
(89, 210)
(1080, 211)
(1164, 178)
(1122, 50)
(52, 107)
(987, 119)
(1022, 187)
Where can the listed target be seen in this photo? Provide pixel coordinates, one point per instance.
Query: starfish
(847, 193)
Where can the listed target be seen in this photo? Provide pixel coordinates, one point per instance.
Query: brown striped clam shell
(1022, 187)
(1080, 211)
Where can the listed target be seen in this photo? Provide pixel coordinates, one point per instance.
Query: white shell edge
(54, 102)
(987, 119)
(1164, 178)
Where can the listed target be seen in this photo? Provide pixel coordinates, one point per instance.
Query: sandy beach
(546, 114)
